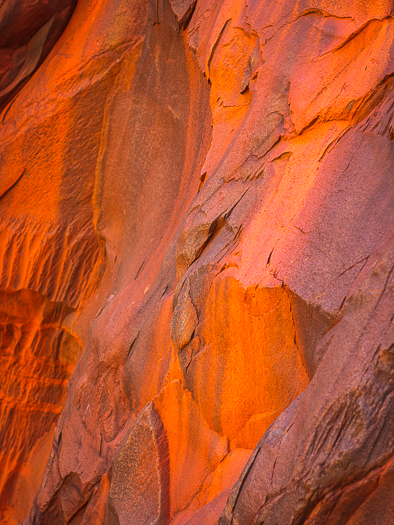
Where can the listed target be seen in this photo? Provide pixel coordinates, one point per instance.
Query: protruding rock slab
(140, 473)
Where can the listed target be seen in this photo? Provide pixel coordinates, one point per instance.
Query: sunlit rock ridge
(196, 262)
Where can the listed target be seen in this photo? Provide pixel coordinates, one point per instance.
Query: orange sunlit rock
(196, 255)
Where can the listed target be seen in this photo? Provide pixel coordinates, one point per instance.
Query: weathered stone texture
(196, 262)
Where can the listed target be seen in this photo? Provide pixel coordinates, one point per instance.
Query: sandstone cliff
(197, 253)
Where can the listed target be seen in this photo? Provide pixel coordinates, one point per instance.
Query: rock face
(197, 242)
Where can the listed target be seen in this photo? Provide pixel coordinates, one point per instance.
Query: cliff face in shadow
(196, 262)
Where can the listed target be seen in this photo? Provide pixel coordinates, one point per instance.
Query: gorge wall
(196, 262)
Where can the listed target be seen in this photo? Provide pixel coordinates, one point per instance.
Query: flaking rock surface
(196, 262)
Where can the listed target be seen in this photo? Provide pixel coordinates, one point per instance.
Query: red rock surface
(197, 246)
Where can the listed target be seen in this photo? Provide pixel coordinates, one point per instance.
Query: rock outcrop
(197, 253)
